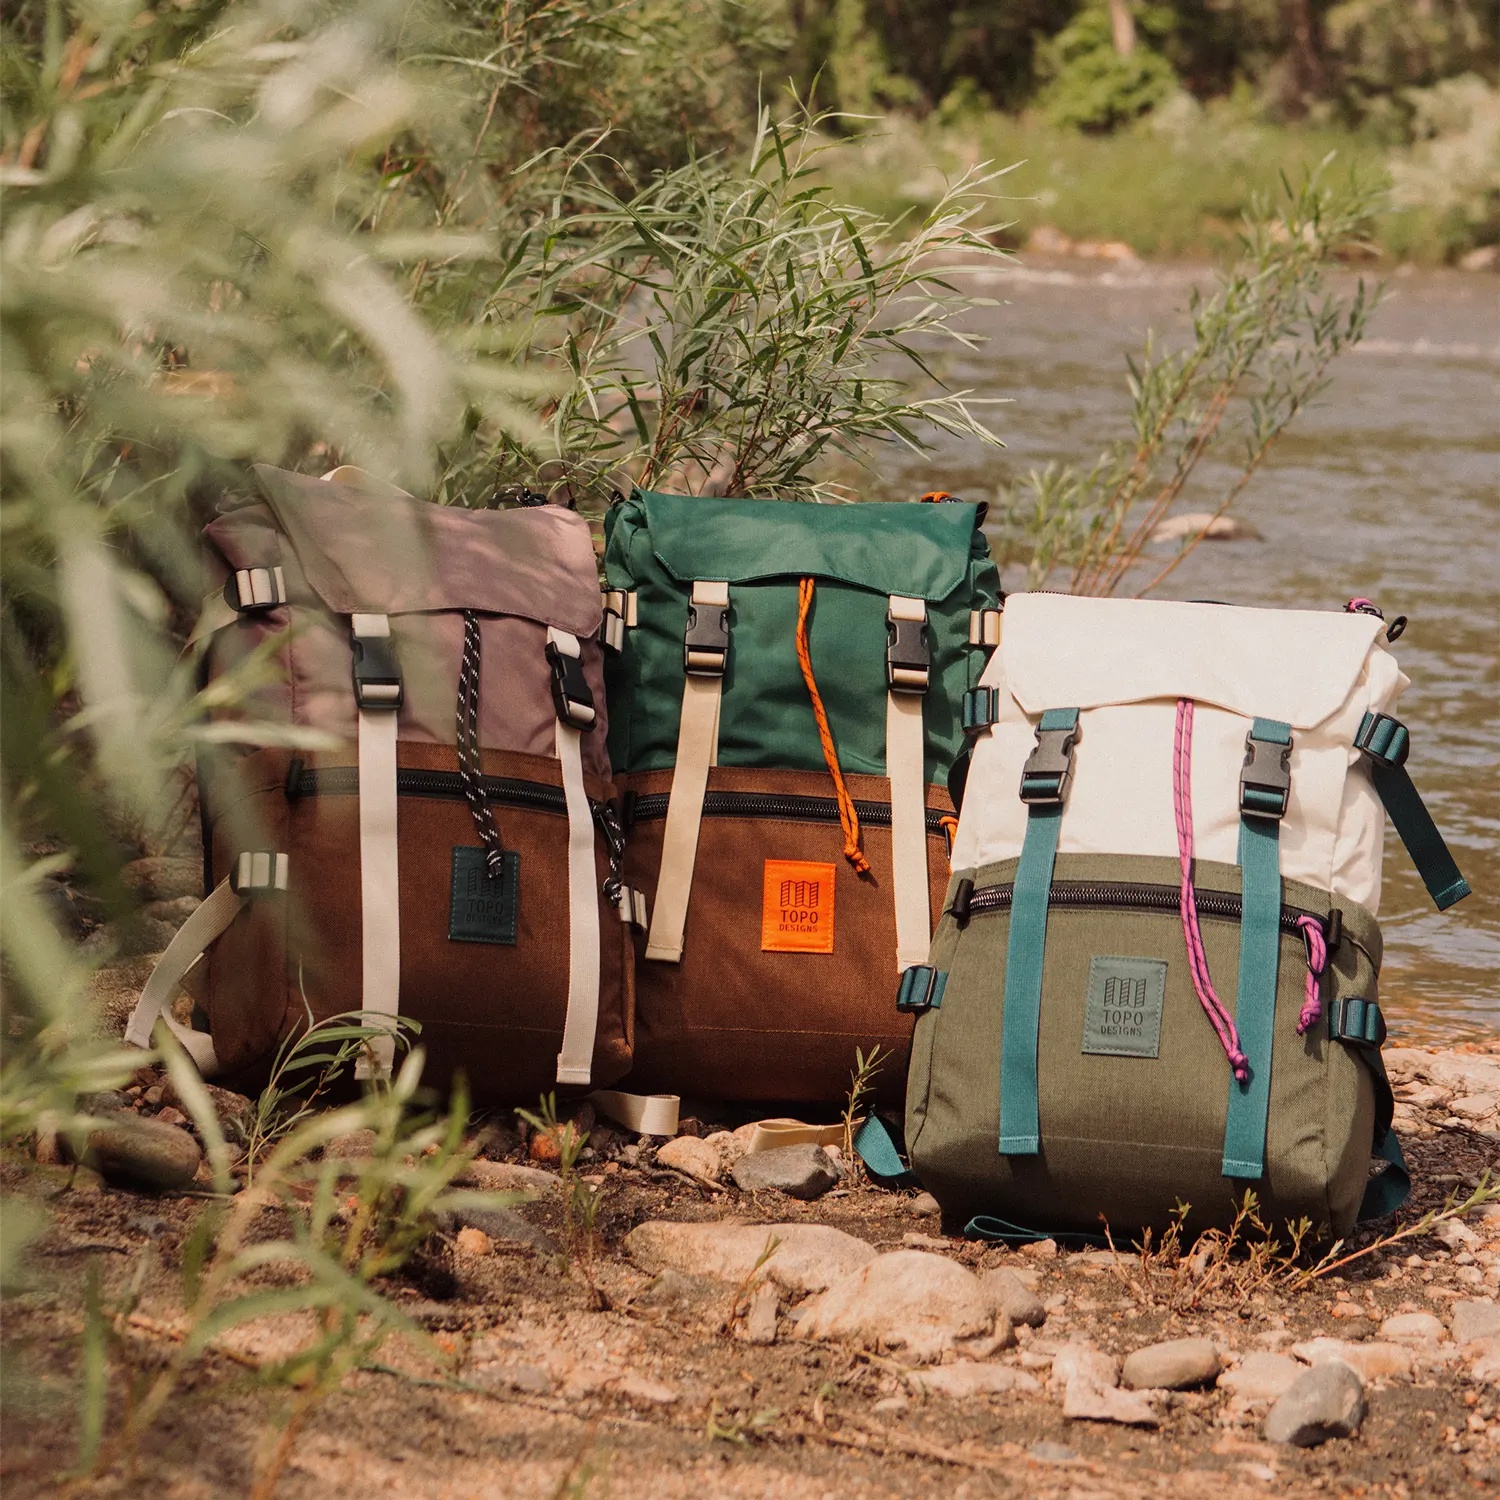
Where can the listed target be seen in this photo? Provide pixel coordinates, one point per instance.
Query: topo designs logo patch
(1122, 1015)
(797, 908)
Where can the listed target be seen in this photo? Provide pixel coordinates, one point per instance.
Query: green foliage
(1091, 86)
(861, 1086)
(727, 328)
(1450, 179)
(579, 1198)
(1262, 345)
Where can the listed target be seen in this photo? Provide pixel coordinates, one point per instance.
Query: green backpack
(785, 684)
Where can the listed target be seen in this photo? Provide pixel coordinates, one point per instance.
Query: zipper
(343, 781)
(1129, 895)
(771, 805)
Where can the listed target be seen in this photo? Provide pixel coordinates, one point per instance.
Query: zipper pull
(293, 786)
(607, 815)
(958, 908)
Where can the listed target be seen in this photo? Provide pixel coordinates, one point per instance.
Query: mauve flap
(365, 552)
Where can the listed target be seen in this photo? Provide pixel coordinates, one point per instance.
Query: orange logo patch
(797, 911)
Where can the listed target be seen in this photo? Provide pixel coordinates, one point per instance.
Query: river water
(1389, 488)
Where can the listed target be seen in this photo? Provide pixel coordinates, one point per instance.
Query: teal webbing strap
(1388, 1189)
(988, 1227)
(1260, 945)
(1042, 785)
(875, 1143)
(1385, 743)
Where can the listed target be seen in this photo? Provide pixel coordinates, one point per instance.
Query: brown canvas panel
(494, 1011)
(734, 1022)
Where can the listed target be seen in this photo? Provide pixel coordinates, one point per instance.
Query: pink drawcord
(1317, 960)
(1182, 806)
(1362, 606)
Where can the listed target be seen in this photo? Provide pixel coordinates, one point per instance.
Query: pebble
(474, 1242)
(1087, 1402)
(698, 1158)
(805, 1171)
(1414, 1327)
(497, 1377)
(1014, 1298)
(1372, 1361)
(1081, 1359)
(501, 1224)
(128, 1151)
(645, 1392)
(760, 1319)
(924, 1205)
(1476, 1319)
(1475, 1106)
(1040, 1249)
(1326, 1402)
(236, 1112)
(808, 1257)
(1177, 1365)
(911, 1300)
(729, 1146)
(354, 1146)
(507, 1177)
(1260, 1378)
(967, 1377)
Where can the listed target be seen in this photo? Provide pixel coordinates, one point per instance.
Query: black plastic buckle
(377, 677)
(1049, 768)
(981, 707)
(1359, 1021)
(908, 657)
(571, 695)
(1266, 780)
(705, 642)
(921, 988)
(1384, 739)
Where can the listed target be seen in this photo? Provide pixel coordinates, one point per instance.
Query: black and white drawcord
(470, 768)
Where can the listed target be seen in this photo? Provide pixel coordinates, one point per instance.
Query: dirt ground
(639, 1389)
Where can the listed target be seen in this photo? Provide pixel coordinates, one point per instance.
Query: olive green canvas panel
(858, 555)
(1128, 1132)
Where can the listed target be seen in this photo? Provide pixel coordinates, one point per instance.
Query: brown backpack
(451, 851)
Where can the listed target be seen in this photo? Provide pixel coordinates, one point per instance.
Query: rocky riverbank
(865, 1354)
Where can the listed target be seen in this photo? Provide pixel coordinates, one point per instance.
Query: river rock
(499, 1224)
(807, 1258)
(1413, 1328)
(1326, 1402)
(760, 1318)
(235, 1112)
(473, 1242)
(353, 1146)
(1484, 1360)
(1084, 1401)
(924, 1205)
(910, 1300)
(968, 1377)
(805, 1171)
(162, 877)
(1014, 1298)
(1212, 528)
(1083, 1360)
(691, 1154)
(1261, 1378)
(1370, 1361)
(1477, 1319)
(129, 1151)
(507, 1177)
(1177, 1365)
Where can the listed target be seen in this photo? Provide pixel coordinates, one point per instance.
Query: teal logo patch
(482, 909)
(1123, 1015)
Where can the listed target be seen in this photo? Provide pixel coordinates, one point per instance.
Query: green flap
(919, 550)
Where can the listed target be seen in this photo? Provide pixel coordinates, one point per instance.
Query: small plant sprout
(742, 1293)
(861, 1086)
(580, 1199)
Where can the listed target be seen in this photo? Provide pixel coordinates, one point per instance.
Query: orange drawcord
(933, 497)
(848, 817)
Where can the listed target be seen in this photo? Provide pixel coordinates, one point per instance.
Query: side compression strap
(1265, 787)
(906, 684)
(575, 1061)
(1043, 786)
(705, 656)
(378, 694)
(1385, 744)
(1388, 1189)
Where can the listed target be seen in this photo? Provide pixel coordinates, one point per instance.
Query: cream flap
(1299, 666)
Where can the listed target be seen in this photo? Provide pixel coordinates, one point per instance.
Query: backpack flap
(1124, 664)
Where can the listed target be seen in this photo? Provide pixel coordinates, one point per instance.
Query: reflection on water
(1389, 487)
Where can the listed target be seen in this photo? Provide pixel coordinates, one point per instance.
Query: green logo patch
(1123, 1014)
(482, 908)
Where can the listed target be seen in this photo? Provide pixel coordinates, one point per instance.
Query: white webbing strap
(697, 750)
(379, 870)
(255, 870)
(904, 746)
(984, 627)
(575, 1061)
(619, 616)
(646, 1114)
